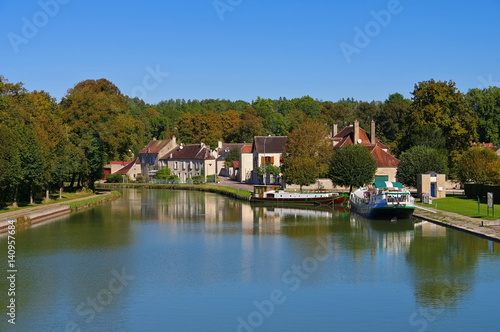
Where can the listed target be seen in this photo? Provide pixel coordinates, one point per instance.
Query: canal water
(158, 260)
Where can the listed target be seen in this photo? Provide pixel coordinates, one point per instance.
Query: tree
(251, 125)
(268, 168)
(232, 155)
(306, 154)
(486, 105)
(440, 106)
(352, 166)
(390, 119)
(478, 165)
(420, 160)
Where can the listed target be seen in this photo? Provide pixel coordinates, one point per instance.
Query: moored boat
(276, 195)
(383, 200)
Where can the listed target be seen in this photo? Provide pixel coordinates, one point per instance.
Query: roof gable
(269, 144)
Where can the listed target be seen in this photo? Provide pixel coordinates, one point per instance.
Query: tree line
(46, 143)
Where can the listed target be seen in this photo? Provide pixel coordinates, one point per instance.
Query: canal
(158, 260)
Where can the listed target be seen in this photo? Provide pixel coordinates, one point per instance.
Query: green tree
(232, 155)
(164, 173)
(478, 165)
(306, 155)
(440, 106)
(352, 166)
(420, 160)
(251, 125)
(486, 105)
(268, 168)
(390, 119)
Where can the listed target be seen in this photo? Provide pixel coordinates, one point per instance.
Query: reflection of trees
(444, 266)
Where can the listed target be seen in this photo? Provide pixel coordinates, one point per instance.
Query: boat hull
(295, 201)
(386, 212)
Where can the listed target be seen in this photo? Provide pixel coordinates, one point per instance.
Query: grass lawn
(464, 206)
(54, 198)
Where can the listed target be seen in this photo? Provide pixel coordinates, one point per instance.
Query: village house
(150, 154)
(187, 161)
(387, 164)
(267, 149)
(245, 164)
(132, 169)
(220, 154)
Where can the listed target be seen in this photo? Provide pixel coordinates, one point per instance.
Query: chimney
(334, 130)
(356, 131)
(372, 133)
(219, 145)
(174, 140)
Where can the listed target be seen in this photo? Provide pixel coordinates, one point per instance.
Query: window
(183, 165)
(264, 160)
(175, 165)
(197, 165)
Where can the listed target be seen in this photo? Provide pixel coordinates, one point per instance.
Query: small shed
(432, 184)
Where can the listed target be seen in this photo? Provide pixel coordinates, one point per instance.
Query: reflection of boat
(277, 196)
(383, 200)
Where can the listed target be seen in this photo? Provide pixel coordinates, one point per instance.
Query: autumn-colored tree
(478, 165)
(251, 125)
(306, 154)
(230, 126)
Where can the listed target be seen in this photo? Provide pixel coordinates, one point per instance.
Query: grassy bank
(92, 201)
(54, 198)
(464, 206)
(223, 190)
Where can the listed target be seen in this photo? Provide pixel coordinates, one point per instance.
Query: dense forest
(45, 143)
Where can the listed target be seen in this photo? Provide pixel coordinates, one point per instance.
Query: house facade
(386, 163)
(187, 161)
(246, 164)
(132, 169)
(151, 153)
(267, 149)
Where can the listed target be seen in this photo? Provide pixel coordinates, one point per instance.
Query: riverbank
(234, 192)
(476, 226)
(26, 217)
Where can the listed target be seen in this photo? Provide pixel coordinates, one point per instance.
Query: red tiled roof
(124, 170)
(155, 146)
(273, 144)
(124, 163)
(383, 159)
(191, 151)
(247, 148)
(236, 164)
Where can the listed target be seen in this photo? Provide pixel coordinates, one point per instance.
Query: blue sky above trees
(241, 49)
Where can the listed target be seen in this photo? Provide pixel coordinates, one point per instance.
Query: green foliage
(307, 152)
(479, 165)
(352, 166)
(164, 173)
(232, 155)
(420, 160)
(486, 104)
(440, 106)
(114, 178)
(268, 168)
(198, 179)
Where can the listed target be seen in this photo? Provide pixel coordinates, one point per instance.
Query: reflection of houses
(387, 163)
(187, 161)
(132, 169)
(151, 153)
(268, 149)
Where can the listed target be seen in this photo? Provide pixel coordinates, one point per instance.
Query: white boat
(276, 195)
(383, 200)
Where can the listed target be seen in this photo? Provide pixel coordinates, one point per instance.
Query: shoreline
(29, 216)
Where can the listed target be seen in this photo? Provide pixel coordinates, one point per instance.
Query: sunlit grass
(464, 206)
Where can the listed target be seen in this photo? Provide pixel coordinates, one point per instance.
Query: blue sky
(250, 48)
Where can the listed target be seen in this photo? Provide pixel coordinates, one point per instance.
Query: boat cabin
(259, 190)
(393, 192)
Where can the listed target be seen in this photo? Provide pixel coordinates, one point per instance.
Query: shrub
(114, 178)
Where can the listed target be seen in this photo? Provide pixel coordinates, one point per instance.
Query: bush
(198, 179)
(114, 178)
(141, 179)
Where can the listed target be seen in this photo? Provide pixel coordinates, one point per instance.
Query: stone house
(187, 161)
(150, 154)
